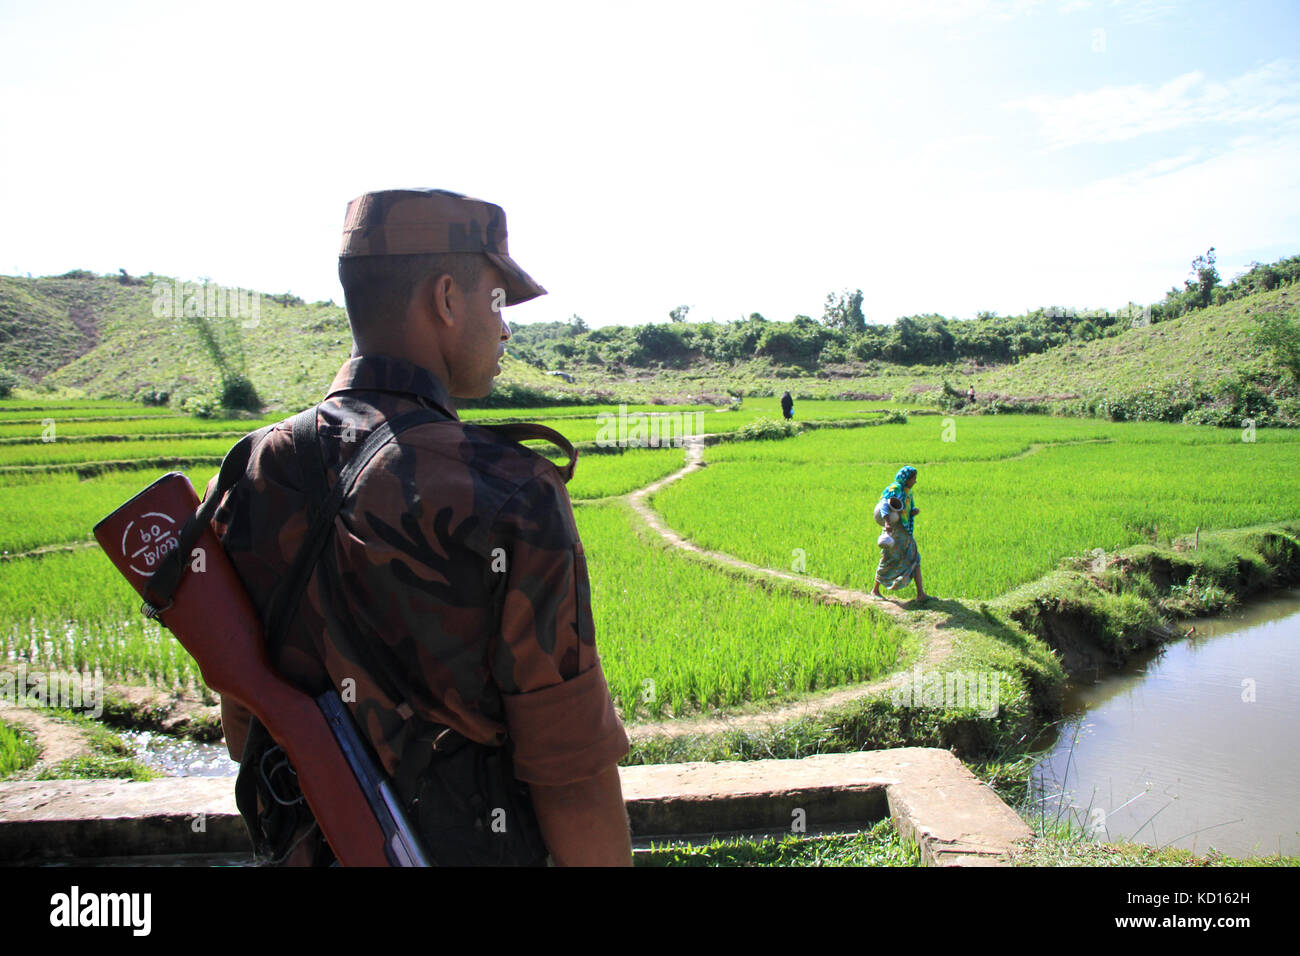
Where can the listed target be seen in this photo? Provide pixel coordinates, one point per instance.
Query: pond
(1192, 745)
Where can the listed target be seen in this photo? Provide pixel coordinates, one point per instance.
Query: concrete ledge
(931, 797)
(68, 819)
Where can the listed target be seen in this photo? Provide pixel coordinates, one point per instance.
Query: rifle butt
(214, 619)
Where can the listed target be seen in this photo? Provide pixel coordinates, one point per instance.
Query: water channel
(1192, 745)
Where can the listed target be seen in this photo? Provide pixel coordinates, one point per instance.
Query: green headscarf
(898, 489)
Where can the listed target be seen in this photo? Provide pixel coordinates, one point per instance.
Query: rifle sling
(164, 582)
(284, 604)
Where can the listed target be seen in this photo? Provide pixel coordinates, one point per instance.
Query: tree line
(842, 334)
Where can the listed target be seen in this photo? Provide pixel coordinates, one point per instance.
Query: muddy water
(1196, 745)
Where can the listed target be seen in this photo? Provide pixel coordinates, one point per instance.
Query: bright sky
(943, 155)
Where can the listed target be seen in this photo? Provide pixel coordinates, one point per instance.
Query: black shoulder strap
(323, 508)
(311, 466)
(163, 584)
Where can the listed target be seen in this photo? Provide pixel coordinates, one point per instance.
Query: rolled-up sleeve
(559, 712)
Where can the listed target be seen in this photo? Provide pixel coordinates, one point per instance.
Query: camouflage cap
(402, 222)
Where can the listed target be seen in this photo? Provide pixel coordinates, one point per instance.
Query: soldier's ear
(434, 298)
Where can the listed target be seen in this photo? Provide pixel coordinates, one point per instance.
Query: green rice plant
(56, 452)
(992, 517)
(37, 510)
(40, 431)
(677, 637)
(12, 408)
(673, 421)
(549, 412)
(74, 611)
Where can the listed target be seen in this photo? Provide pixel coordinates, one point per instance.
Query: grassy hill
(100, 336)
(1205, 367)
(1201, 347)
(47, 323)
(95, 336)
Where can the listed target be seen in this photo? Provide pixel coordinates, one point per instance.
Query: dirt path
(57, 740)
(936, 645)
(136, 707)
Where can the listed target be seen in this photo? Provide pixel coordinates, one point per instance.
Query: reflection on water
(178, 757)
(1193, 746)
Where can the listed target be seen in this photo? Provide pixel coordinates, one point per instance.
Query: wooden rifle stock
(214, 619)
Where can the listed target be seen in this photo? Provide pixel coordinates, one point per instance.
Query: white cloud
(1118, 113)
(1144, 11)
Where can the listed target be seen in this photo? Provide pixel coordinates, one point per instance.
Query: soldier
(451, 605)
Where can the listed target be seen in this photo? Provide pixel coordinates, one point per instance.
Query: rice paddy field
(1001, 503)
(676, 638)
(1002, 499)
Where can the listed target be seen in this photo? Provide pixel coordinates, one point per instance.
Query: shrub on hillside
(950, 399)
(238, 393)
(1150, 404)
(200, 406)
(999, 407)
(1281, 334)
(8, 382)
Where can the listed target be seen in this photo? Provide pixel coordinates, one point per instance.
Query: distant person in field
(971, 397)
(900, 562)
(787, 406)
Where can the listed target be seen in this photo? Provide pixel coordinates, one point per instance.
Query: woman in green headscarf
(900, 562)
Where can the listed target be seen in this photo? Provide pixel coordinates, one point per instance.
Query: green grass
(18, 749)
(110, 757)
(40, 509)
(1200, 347)
(1006, 490)
(880, 845)
(1072, 849)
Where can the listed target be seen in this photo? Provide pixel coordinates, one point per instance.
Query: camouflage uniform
(456, 557)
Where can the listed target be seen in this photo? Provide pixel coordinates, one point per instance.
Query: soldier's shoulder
(482, 449)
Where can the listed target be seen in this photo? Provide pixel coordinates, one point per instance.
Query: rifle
(153, 540)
